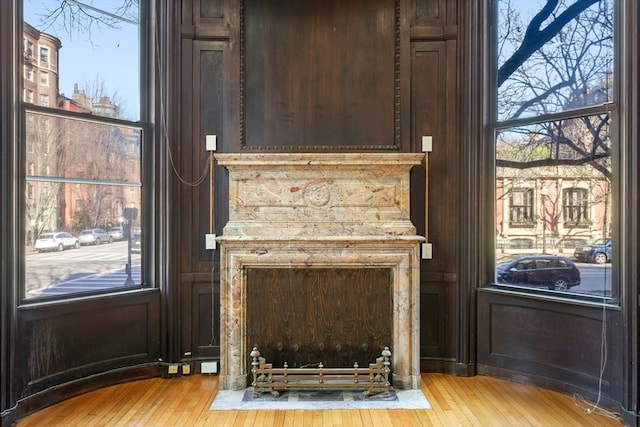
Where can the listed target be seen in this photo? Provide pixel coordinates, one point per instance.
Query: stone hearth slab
(243, 400)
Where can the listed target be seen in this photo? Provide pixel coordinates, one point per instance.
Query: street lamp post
(543, 194)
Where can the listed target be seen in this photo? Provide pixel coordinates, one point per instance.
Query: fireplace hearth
(319, 211)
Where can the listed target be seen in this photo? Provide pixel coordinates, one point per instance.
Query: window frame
(493, 125)
(144, 124)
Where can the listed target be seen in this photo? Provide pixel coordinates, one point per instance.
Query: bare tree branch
(535, 37)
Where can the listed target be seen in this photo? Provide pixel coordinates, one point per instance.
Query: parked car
(598, 252)
(94, 236)
(136, 242)
(57, 241)
(549, 271)
(115, 233)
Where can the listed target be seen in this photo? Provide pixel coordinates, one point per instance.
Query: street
(596, 279)
(79, 270)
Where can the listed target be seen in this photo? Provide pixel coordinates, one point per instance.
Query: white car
(94, 236)
(116, 233)
(57, 241)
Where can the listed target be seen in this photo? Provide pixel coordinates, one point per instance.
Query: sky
(104, 55)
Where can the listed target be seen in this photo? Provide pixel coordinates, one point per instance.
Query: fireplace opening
(304, 316)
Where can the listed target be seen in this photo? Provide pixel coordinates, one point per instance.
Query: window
(575, 205)
(552, 130)
(44, 54)
(83, 148)
(28, 96)
(521, 206)
(28, 72)
(29, 49)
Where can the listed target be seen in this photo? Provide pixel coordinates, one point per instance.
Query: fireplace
(319, 211)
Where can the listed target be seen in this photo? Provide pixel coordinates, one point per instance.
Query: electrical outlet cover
(209, 367)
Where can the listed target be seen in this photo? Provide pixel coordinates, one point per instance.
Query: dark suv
(598, 252)
(549, 271)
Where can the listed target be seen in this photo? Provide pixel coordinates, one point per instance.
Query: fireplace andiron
(266, 378)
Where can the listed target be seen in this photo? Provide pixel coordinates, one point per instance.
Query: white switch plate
(427, 144)
(209, 241)
(211, 142)
(427, 251)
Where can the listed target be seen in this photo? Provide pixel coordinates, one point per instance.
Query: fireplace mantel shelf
(319, 239)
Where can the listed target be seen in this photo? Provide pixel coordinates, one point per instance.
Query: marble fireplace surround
(333, 210)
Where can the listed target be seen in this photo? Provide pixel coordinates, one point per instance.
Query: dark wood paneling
(206, 107)
(209, 9)
(432, 314)
(208, 17)
(429, 12)
(432, 83)
(433, 107)
(438, 309)
(200, 326)
(319, 74)
(61, 343)
(553, 344)
(335, 316)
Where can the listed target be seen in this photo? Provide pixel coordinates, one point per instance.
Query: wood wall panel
(553, 344)
(89, 336)
(320, 74)
(431, 83)
(432, 314)
(532, 335)
(211, 9)
(439, 342)
(207, 17)
(211, 97)
(433, 113)
(205, 77)
(429, 12)
(200, 331)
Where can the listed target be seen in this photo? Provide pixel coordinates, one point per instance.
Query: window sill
(551, 296)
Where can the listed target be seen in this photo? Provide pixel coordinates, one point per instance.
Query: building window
(29, 49)
(44, 55)
(28, 73)
(552, 122)
(28, 96)
(80, 147)
(521, 207)
(575, 205)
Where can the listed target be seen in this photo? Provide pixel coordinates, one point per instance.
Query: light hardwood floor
(456, 401)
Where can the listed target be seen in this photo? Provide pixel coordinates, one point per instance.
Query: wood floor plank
(456, 401)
